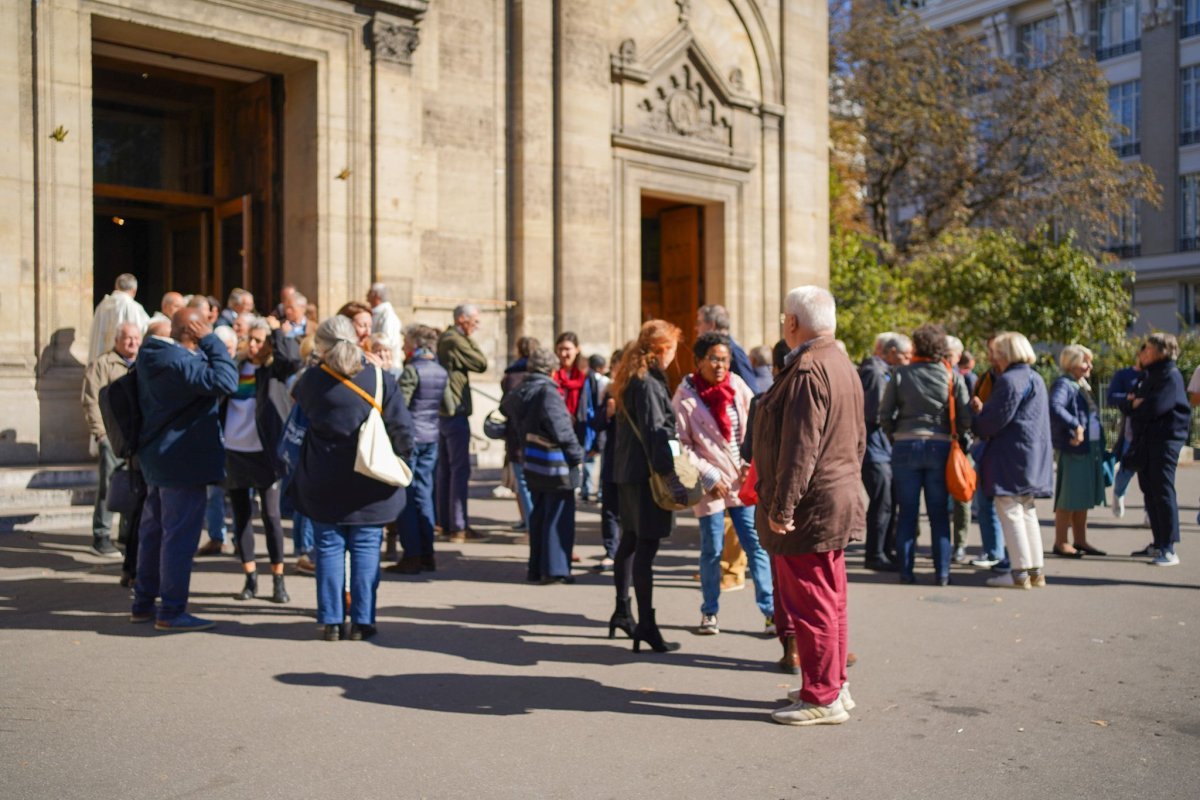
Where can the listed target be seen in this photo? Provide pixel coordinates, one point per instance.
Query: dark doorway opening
(187, 179)
(673, 270)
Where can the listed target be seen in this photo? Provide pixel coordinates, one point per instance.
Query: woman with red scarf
(711, 407)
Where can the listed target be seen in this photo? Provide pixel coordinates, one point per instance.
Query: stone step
(48, 476)
(47, 498)
(45, 519)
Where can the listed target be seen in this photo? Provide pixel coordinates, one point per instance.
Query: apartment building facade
(1149, 50)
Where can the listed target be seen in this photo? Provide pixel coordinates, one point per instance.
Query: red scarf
(570, 384)
(717, 398)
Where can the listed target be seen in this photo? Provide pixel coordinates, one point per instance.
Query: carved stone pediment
(676, 99)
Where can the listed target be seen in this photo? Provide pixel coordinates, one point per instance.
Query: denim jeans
(989, 527)
(214, 513)
(590, 485)
(712, 539)
(1121, 481)
(524, 498)
(167, 539)
(551, 534)
(920, 465)
(417, 519)
(303, 539)
(101, 516)
(332, 544)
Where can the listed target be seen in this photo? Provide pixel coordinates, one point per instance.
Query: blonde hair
(1014, 348)
(1072, 356)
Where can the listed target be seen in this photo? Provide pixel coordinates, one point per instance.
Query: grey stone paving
(482, 685)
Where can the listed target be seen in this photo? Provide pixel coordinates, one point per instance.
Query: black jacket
(536, 407)
(1165, 414)
(325, 487)
(272, 403)
(646, 401)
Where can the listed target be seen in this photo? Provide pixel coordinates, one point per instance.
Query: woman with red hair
(646, 442)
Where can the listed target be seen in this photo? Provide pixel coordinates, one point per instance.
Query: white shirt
(114, 311)
(385, 321)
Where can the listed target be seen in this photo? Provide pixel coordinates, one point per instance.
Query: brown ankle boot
(790, 663)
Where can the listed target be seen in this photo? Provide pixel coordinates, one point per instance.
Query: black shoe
(622, 618)
(908, 579)
(1149, 550)
(1089, 550)
(104, 547)
(333, 633)
(428, 564)
(250, 589)
(551, 579)
(408, 565)
(647, 631)
(943, 580)
(881, 564)
(532, 577)
(279, 592)
(127, 579)
(360, 633)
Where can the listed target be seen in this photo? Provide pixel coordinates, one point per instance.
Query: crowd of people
(359, 429)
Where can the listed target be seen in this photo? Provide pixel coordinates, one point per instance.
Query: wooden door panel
(233, 244)
(186, 257)
(680, 279)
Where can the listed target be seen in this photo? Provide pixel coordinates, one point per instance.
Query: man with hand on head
(180, 381)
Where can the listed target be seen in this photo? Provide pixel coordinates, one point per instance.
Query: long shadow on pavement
(509, 695)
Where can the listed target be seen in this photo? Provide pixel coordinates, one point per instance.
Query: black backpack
(122, 414)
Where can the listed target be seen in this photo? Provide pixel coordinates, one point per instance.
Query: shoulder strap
(354, 387)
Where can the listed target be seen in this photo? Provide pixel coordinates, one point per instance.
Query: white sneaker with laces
(808, 714)
(1165, 558)
(847, 701)
(708, 625)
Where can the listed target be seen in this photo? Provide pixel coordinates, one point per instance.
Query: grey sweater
(916, 400)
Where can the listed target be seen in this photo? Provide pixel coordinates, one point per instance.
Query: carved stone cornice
(412, 10)
(1157, 14)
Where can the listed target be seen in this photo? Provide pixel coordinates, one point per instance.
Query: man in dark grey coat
(891, 349)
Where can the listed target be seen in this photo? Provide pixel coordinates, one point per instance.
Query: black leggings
(635, 564)
(243, 527)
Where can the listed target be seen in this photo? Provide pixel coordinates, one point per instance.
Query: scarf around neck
(570, 385)
(717, 398)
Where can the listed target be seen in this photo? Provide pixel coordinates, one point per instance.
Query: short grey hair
(125, 282)
(760, 356)
(883, 340)
(380, 290)
(899, 342)
(121, 329)
(465, 310)
(336, 345)
(226, 335)
(257, 324)
(297, 298)
(542, 360)
(955, 345)
(717, 316)
(235, 298)
(813, 308)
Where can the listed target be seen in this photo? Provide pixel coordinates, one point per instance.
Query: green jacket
(460, 356)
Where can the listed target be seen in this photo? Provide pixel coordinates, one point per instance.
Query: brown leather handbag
(960, 475)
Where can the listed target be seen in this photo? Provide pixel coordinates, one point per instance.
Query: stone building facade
(564, 164)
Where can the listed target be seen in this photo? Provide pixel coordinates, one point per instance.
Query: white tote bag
(376, 458)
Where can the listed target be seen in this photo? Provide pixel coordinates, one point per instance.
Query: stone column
(531, 168)
(1159, 129)
(805, 160)
(773, 204)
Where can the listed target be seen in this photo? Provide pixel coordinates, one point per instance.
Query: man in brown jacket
(107, 367)
(809, 439)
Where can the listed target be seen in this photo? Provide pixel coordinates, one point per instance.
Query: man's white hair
(380, 290)
(955, 345)
(813, 308)
(882, 340)
(226, 334)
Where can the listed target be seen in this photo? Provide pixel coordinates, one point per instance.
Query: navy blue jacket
(741, 366)
(181, 443)
(537, 407)
(325, 487)
(1068, 410)
(1017, 458)
(423, 384)
(1124, 382)
(875, 374)
(1165, 414)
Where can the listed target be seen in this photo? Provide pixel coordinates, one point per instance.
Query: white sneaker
(1009, 580)
(1165, 558)
(769, 626)
(1119, 506)
(987, 562)
(708, 625)
(960, 556)
(844, 695)
(808, 714)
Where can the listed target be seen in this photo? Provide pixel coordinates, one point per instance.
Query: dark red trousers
(810, 590)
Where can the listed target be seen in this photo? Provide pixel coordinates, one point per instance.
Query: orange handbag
(960, 475)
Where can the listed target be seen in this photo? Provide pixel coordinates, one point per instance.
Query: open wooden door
(186, 241)
(233, 245)
(680, 269)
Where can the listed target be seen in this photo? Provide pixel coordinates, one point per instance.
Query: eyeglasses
(717, 360)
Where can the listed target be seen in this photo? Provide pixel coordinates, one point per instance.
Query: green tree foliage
(872, 296)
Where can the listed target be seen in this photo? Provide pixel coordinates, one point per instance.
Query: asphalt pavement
(481, 685)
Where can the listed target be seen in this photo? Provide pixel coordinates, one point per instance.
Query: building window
(1189, 100)
(1118, 28)
(1125, 105)
(1038, 40)
(1189, 212)
(1126, 242)
(1191, 19)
